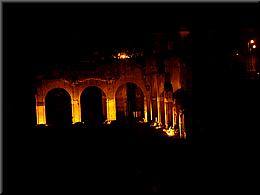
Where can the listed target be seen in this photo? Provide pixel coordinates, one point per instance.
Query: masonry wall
(158, 103)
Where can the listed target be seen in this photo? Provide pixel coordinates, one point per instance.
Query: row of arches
(93, 104)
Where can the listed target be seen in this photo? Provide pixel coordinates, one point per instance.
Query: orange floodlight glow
(40, 110)
(122, 56)
(170, 132)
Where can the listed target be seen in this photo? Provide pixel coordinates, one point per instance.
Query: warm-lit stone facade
(156, 91)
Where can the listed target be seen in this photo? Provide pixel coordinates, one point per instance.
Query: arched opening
(58, 108)
(129, 102)
(33, 110)
(93, 106)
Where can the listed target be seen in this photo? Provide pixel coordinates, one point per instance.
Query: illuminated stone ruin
(149, 86)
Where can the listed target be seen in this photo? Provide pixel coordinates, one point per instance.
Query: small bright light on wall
(252, 41)
(126, 53)
(122, 56)
(235, 52)
(254, 46)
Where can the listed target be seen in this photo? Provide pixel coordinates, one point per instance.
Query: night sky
(61, 33)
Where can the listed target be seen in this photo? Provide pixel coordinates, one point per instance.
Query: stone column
(180, 124)
(111, 109)
(173, 116)
(40, 110)
(166, 112)
(76, 111)
(75, 104)
(145, 110)
(159, 110)
(158, 98)
(183, 125)
(154, 109)
(151, 108)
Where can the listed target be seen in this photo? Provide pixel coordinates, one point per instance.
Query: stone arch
(93, 83)
(49, 85)
(58, 108)
(138, 80)
(107, 87)
(93, 105)
(43, 88)
(124, 81)
(130, 101)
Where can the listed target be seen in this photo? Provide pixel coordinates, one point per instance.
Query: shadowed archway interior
(93, 106)
(34, 120)
(58, 108)
(129, 102)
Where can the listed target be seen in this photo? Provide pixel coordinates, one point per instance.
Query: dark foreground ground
(129, 159)
(114, 159)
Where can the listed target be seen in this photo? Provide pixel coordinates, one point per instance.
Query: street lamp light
(251, 45)
(251, 55)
